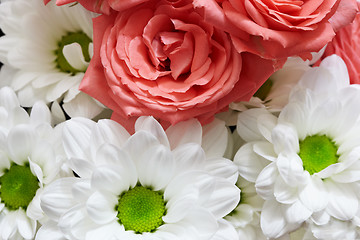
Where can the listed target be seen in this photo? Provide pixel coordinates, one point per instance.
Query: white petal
(203, 221)
(82, 106)
(156, 167)
(215, 138)
(111, 231)
(247, 124)
(61, 87)
(189, 131)
(44, 157)
(178, 207)
(250, 164)
(57, 197)
(189, 156)
(285, 139)
(343, 203)
(18, 116)
(20, 142)
(119, 162)
(151, 125)
(81, 190)
(223, 168)
(265, 150)
(75, 221)
(26, 226)
(49, 231)
(266, 124)
(187, 183)
(107, 178)
(224, 199)
(37, 171)
(82, 168)
(76, 137)
(284, 193)
(34, 211)
(74, 56)
(336, 66)
(322, 117)
(297, 213)
(57, 113)
(314, 195)
(8, 224)
(40, 113)
(138, 143)
(8, 98)
(349, 175)
(101, 207)
(226, 231)
(266, 180)
(272, 220)
(296, 113)
(291, 169)
(320, 218)
(109, 131)
(315, 79)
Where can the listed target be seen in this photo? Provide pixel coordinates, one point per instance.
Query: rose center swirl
(18, 187)
(141, 209)
(317, 152)
(72, 54)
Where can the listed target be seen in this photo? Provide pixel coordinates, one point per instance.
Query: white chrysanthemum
(28, 162)
(305, 163)
(45, 51)
(151, 185)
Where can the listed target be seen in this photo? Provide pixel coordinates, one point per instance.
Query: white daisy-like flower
(45, 52)
(28, 162)
(151, 185)
(305, 163)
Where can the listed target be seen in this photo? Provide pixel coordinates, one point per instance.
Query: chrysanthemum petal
(20, 143)
(151, 125)
(101, 207)
(314, 189)
(250, 164)
(215, 138)
(26, 226)
(184, 132)
(343, 203)
(156, 167)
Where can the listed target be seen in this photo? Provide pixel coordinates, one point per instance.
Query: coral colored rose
(276, 29)
(102, 6)
(346, 44)
(162, 59)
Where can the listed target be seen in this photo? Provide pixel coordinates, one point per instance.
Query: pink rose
(277, 29)
(346, 44)
(162, 59)
(102, 6)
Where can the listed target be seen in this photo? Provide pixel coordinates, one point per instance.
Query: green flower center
(74, 37)
(141, 209)
(264, 90)
(317, 152)
(18, 187)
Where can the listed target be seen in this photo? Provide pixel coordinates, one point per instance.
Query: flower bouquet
(179, 119)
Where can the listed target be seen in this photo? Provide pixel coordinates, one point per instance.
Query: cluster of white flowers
(290, 170)
(45, 51)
